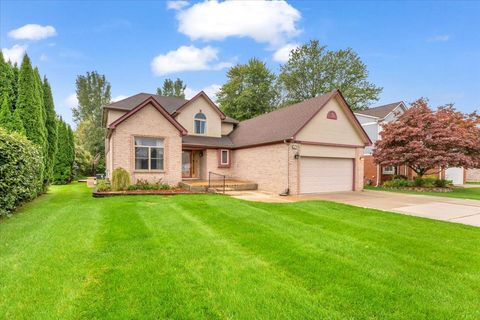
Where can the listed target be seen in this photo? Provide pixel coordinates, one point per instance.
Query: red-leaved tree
(423, 139)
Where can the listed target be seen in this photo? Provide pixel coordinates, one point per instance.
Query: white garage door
(454, 174)
(325, 174)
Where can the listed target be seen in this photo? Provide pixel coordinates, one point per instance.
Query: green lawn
(464, 193)
(70, 256)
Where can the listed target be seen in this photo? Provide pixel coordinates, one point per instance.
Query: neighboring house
(472, 175)
(372, 121)
(312, 146)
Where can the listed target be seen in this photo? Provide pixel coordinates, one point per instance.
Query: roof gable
(200, 95)
(152, 101)
(285, 123)
(381, 112)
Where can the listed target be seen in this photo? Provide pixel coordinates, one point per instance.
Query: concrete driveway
(440, 208)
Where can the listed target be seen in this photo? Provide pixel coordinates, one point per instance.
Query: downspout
(287, 190)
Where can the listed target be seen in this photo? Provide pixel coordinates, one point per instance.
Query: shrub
(442, 183)
(400, 177)
(398, 183)
(21, 169)
(103, 185)
(419, 182)
(145, 185)
(120, 179)
(429, 181)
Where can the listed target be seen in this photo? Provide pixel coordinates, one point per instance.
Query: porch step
(229, 186)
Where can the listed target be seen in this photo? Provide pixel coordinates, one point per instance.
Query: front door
(187, 164)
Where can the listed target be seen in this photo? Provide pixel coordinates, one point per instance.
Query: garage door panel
(325, 174)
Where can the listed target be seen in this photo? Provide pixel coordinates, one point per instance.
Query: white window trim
(149, 155)
(202, 120)
(221, 157)
(384, 171)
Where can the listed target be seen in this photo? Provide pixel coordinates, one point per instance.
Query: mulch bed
(420, 189)
(172, 192)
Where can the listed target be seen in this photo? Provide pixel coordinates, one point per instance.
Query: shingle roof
(223, 142)
(168, 103)
(171, 104)
(381, 111)
(278, 125)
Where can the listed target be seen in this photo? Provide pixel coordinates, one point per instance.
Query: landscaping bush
(442, 183)
(400, 177)
(419, 182)
(145, 185)
(398, 183)
(103, 185)
(120, 179)
(429, 181)
(21, 171)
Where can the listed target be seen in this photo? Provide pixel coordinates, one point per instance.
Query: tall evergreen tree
(10, 120)
(62, 171)
(29, 105)
(51, 126)
(172, 88)
(7, 81)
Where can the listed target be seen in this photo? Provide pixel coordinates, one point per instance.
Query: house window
(389, 170)
(224, 158)
(200, 123)
(149, 154)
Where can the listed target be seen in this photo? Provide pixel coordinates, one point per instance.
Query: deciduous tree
(424, 139)
(93, 92)
(312, 70)
(250, 90)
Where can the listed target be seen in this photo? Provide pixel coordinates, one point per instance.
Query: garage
(325, 174)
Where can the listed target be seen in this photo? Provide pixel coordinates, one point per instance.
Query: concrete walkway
(440, 208)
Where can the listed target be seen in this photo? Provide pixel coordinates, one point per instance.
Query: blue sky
(411, 49)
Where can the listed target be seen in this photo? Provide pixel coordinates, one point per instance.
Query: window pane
(202, 126)
(141, 152)
(141, 164)
(224, 156)
(200, 116)
(156, 152)
(156, 164)
(149, 142)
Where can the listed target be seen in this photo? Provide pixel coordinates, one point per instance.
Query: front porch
(217, 185)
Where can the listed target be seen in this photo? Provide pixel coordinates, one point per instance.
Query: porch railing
(216, 180)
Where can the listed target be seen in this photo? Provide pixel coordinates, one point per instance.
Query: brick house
(313, 146)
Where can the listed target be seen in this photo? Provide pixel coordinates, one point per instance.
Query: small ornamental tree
(423, 139)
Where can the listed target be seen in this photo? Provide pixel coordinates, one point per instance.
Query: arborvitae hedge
(51, 126)
(21, 163)
(9, 120)
(65, 157)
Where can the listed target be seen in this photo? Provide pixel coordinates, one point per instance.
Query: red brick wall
(370, 170)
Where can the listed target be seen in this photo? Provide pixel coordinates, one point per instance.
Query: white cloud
(187, 58)
(71, 101)
(439, 38)
(177, 5)
(14, 54)
(210, 90)
(43, 57)
(119, 97)
(282, 54)
(270, 22)
(33, 32)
